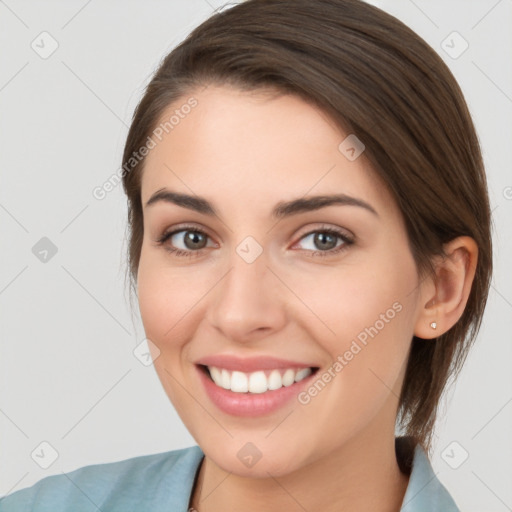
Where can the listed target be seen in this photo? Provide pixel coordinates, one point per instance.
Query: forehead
(256, 148)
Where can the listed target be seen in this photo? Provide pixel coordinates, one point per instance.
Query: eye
(192, 243)
(324, 241)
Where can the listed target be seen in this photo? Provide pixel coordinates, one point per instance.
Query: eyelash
(181, 253)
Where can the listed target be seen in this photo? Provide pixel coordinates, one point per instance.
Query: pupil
(320, 239)
(193, 237)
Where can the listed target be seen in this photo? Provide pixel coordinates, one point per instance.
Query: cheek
(372, 319)
(167, 313)
(162, 303)
(367, 320)
(351, 301)
(172, 302)
(167, 298)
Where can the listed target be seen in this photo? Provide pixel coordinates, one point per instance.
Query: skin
(245, 152)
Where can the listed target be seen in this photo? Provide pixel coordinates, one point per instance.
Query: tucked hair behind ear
(379, 80)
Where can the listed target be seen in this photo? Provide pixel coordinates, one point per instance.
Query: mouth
(257, 382)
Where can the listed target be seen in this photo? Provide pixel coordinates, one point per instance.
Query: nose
(249, 302)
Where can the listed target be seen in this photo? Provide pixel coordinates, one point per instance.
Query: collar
(424, 493)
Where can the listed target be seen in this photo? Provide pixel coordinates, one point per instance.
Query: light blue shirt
(164, 481)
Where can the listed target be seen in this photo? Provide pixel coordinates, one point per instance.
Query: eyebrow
(281, 210)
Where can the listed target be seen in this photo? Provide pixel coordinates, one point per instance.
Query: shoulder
(147, 482)
(425, 493)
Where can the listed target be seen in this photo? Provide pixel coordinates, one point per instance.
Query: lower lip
(250, 404)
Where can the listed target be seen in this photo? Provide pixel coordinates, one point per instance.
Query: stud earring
(433, 325)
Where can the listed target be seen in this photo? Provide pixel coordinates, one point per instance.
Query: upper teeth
(256, 382)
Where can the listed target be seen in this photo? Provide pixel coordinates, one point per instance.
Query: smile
(255, 391)
(259, 381)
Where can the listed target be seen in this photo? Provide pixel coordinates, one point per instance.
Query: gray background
(69, 376)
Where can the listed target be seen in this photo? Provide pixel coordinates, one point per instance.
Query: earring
(433, 325)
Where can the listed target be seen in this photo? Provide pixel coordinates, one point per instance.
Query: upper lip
(250, 364)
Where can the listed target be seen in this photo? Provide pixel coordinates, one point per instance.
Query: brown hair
(379, 80)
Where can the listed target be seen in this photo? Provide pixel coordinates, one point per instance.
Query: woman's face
(268, 295)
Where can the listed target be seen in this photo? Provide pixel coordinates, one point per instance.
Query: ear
(444, 297)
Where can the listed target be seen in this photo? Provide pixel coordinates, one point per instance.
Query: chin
(247, 461)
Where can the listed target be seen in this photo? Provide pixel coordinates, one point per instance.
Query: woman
(309, 242)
